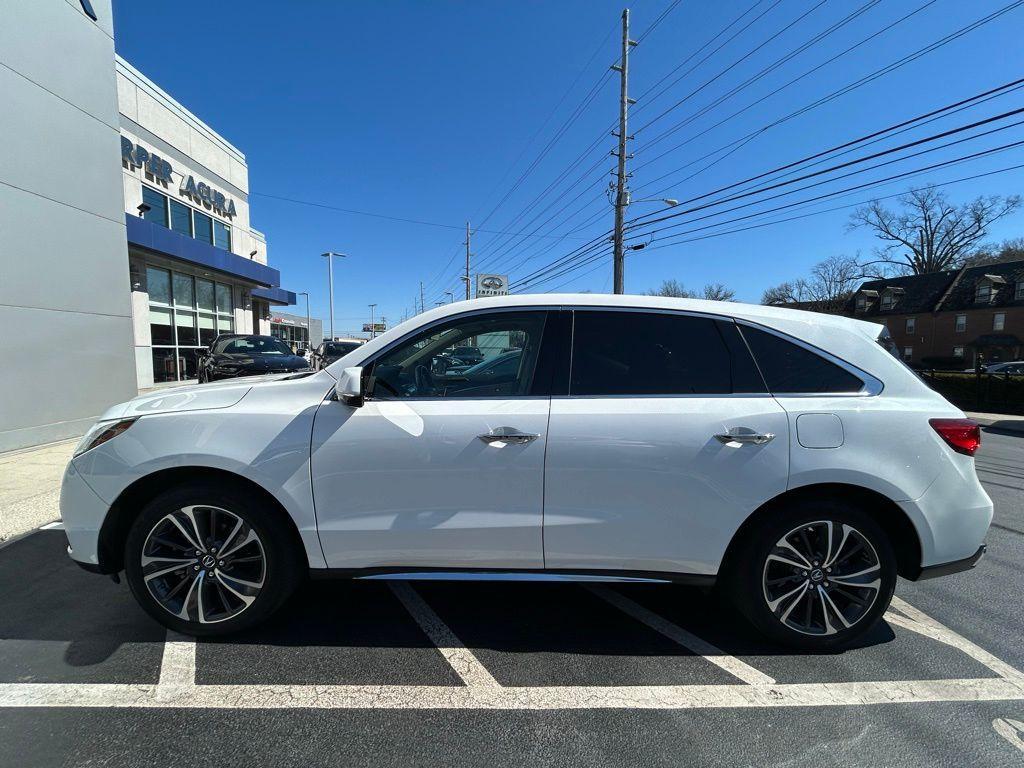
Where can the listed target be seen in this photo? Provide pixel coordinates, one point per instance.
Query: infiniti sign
(491, 285)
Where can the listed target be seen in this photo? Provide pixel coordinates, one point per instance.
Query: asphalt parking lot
(425, 673)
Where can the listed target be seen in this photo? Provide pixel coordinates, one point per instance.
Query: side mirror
(349, 389)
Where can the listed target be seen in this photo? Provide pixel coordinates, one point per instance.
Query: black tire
(757, 584)
(269, 560)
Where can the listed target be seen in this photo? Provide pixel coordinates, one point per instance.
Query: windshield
(252, 345)
(339, 348)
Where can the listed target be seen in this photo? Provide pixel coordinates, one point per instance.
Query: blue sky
(431, 111)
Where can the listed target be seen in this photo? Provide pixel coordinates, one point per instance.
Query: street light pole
(450, 295)
(309, 325)
(371, 320)
(330, 282)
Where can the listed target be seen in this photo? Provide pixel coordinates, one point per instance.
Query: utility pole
(466, 276)
(423, 307)
(621, 192)
(330, 282)
(371, 320)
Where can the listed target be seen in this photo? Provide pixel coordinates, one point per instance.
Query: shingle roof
(962, 295)
(917, 293)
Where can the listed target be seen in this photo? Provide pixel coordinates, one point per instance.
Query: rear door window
(652, 353)
(790, 369)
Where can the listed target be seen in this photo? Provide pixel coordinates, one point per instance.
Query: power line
(836, 193)
(848, 88)
(763, 72)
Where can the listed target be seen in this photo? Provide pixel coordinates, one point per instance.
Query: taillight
(962, 435)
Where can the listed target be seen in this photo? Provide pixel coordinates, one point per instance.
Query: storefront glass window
(157, 203)
(186, 325)
(185, 314)
(165, 367)
(222, 235)
(203, 227)
(224, 303)
(184, 295)
(181, 218)
(207, 331)
(204, 293)
(160, 326)
(158, 283)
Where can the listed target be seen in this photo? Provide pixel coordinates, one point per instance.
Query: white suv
(784, 456)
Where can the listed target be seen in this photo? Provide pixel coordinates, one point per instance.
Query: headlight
(101, 432)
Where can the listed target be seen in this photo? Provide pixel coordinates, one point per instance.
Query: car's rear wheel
(205, 560)
(815, 575)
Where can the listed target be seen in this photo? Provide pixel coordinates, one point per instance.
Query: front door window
(492, 355)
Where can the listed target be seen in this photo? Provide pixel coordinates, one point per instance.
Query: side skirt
(494, 574)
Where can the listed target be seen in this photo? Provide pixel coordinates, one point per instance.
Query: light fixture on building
(252, 253)
(144, 208)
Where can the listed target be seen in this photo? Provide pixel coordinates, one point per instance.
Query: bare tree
(718, 292)
(929, 233)
(711, 291)
(829, 285)
(1008, 250)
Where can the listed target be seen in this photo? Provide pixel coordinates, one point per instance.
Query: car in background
(468, 355)
(235, 354)
(329, 351)
(784, 457)
(1013, 368)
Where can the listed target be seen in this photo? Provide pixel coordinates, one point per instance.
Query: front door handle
(745, 435)
(507, 435)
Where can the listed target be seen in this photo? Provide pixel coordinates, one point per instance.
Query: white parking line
(920, 622)
(178, 666)
(688, 640)
(1011, 730)
(466, 665)
(177, 687)
(531, 698)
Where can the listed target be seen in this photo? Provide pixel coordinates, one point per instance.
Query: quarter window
(791, 369)
(649, 353)
(426, 366)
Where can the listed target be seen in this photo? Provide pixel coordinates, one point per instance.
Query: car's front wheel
(205, 560)
(814, 575)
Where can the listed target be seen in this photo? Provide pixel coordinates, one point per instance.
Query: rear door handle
(507, 435)
(745, 435)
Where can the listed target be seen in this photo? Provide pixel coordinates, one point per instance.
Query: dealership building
(125, 238)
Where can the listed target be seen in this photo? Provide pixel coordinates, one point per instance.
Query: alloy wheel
(203, 564)
(821, 578)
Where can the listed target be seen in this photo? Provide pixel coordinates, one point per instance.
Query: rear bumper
(945, 569)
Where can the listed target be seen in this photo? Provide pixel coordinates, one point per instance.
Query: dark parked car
(468, 355)
(236, 354)
(330, 351)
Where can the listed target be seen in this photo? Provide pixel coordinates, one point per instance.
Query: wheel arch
(124, 510)
(893, 520)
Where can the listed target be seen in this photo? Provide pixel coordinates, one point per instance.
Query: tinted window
(181, 218)
(204, 227)
(222, 235)
(788, 368)
(425, 366)
(638, 353)
(157, 203)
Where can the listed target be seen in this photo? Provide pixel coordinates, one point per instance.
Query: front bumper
(82, 513)
(945, 569)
